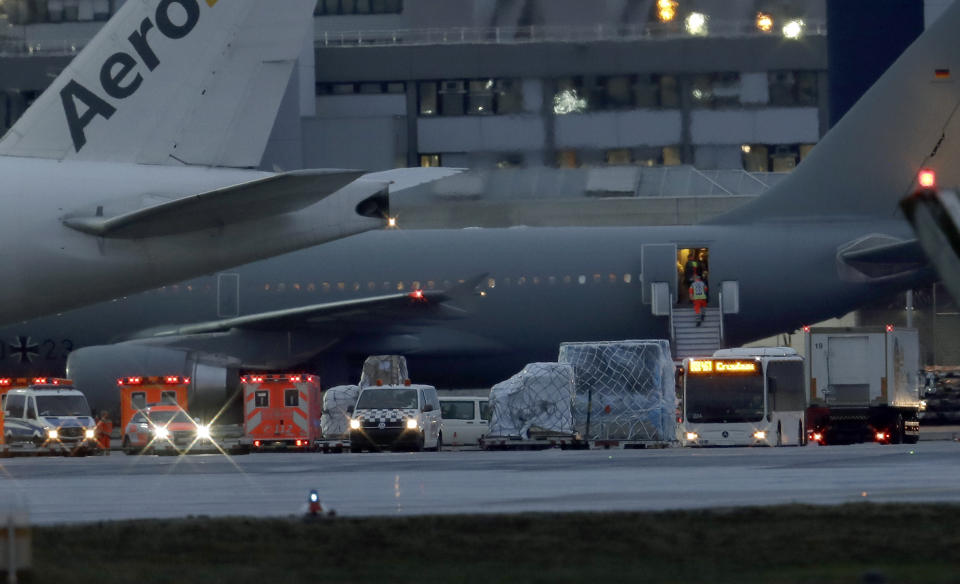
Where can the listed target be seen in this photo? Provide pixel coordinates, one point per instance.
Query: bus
(743, 397)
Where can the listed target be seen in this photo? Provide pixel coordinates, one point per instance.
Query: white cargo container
(864, 384)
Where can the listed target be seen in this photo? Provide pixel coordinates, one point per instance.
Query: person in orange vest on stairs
(698, 295)
(104, 427)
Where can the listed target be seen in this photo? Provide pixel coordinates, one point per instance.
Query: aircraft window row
(339, 7)
(489, 284)
(471, 97)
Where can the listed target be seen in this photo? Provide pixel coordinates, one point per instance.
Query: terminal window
(338, 7)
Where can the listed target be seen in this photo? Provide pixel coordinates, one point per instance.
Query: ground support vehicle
(47, 415)
(281, 411)
(137, 392)
(466, 419)
(743, 397)
(864, 385)
(396, 417)
(328, 446)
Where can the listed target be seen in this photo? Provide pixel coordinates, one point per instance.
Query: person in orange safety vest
(103, 429)
(698, 295)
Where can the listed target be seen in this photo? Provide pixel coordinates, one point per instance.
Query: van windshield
(168, 416)
(62, 405)
(373, 399)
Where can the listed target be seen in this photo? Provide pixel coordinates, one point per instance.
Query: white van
(396, 416)
(465, 419)
(59, 415)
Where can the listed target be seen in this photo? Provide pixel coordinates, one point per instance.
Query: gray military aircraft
(469, 307)
(133, 168)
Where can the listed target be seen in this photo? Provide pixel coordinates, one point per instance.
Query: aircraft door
(228, 295)
(659, 266)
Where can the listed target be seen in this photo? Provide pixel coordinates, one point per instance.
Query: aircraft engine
(95, 371)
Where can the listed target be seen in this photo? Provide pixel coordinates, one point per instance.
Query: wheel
(439, 441)
(418, 446)
(127, 449)
(356, 449)
(896, 433)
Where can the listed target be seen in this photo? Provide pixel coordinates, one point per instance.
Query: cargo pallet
(544, 442)
(608, 443)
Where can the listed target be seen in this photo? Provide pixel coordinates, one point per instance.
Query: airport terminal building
(505, 83)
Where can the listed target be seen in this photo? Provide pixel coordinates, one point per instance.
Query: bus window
(785, 379)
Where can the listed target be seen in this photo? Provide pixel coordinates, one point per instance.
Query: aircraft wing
(392, 309)
(273, 195)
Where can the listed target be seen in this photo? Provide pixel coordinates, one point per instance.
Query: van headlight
(203, 432)
(411, 423)
(89, 434)
(53, 435)
(161, 432)
(355, 424)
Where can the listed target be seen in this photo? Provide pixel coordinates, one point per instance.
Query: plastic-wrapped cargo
(386, 369)
(626, 390)
(335, 421)
(538, 399)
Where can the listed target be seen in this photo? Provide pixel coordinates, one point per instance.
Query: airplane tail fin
(869, 161)
(173, 82)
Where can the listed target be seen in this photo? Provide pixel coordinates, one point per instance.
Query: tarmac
(118, 487)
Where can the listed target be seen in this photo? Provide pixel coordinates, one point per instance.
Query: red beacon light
(417, 294)
(927, 178)
(889, 328)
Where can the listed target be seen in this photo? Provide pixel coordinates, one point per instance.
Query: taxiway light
(691, 436)
(412, 424)
(355, 424)
(927, 178)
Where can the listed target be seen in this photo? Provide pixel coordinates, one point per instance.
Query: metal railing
(673, 335)
(720, 306)
(546, 34)
(21, 48)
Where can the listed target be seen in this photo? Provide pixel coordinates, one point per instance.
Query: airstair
(691, 340)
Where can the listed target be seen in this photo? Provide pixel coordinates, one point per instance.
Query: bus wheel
(898, 431)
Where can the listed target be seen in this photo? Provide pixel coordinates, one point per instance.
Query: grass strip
(794, 543)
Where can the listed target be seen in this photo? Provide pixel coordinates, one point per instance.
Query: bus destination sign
(722, 367)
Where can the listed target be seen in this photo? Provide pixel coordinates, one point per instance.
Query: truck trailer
(864, 385)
